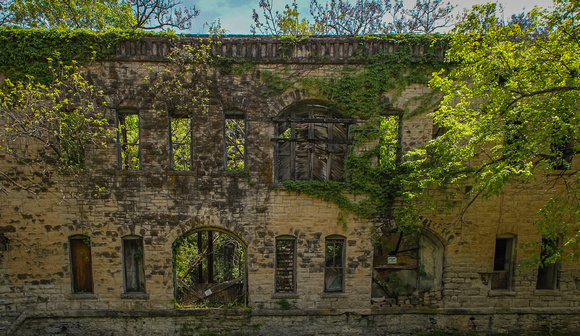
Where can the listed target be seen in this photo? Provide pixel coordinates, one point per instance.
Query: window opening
(128, 140)
(81, 264)
(501, 277)
(3, 243)
(285, 265)
(334, 270)
(181, 141)
(548, 270)
(235, 141)
(405, 263)
(312, 143)
(389, 140)
(133, 264)
(209, 269)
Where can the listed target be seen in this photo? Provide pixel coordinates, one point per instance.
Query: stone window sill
(135, 296)
(83, 296)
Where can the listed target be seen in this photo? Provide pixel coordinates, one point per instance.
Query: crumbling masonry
(102, 263)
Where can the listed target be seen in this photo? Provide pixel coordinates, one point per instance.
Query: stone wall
(160, 205)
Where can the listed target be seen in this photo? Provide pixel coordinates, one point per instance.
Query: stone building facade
(68, 266)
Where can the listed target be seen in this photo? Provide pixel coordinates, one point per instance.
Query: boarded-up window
(312, 143)
(128, 140)
(334, 265)
(180, 144)
(235, 140)
(548, 270)
(285, 264)
(502, 264)
(81, 264)
(133, 264)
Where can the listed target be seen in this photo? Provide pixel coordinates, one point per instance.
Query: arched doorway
(209, 269)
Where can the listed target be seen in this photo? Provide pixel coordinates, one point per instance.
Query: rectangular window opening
(133, 265)
(285, 266)
(128, 140)
(548, 271)
(181, 142)
(389, 141)
(502, 265)
(81, 265)
(334, 266)
(235, 141)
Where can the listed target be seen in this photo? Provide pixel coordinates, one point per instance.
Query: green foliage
(509, 107)
(284, 304)
(395, 286)
(26, 52)
(359, 92)
(82, 14)
(60, 119)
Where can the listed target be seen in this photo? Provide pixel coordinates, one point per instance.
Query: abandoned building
(183, 225)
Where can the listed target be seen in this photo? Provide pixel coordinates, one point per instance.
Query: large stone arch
(209, 267)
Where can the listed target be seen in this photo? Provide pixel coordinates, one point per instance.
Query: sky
(236, 15)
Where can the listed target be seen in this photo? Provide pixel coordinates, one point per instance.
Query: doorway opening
(209, 269)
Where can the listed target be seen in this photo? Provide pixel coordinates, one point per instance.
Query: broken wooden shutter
(312, 144)
(81, 264)
(285, 264)
(133, 264)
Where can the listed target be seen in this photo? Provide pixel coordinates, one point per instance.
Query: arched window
(312, 143)
(209, 268)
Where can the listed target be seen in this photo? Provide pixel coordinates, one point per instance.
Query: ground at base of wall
(288, 322)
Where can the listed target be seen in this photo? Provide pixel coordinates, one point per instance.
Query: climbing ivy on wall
(358, 91)
(26, 52)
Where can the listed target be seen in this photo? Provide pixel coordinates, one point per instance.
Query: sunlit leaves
(509, 106)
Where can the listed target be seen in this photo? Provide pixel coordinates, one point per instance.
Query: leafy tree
(287, 23)
(157, 14)
(425, 17)
(97, 15)
(47, 126)
(340, 17)
(509, 108)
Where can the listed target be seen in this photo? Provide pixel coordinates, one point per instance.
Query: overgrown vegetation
(368, 93)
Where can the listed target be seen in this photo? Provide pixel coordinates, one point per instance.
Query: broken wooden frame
(209, 269)
(312, 143)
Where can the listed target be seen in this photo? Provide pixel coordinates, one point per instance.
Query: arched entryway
(209, 269)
